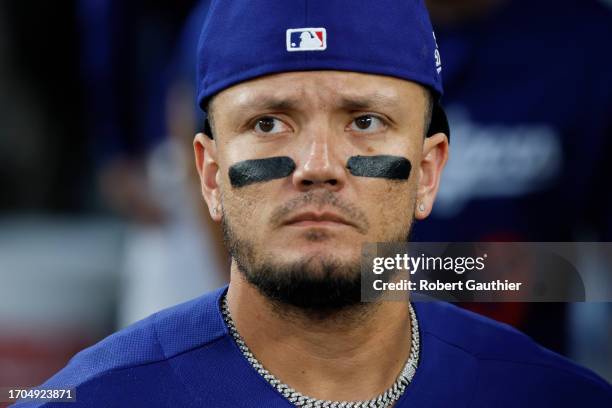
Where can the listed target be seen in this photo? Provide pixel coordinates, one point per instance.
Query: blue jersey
(185, 357)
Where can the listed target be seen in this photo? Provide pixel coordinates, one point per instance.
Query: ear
(434, 157)
(207, 166)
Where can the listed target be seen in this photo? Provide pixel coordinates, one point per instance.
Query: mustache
(322, 199)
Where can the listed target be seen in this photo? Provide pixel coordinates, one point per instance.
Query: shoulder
(509, 364)
(142, 350)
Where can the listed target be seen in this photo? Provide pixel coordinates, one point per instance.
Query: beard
(317, 286)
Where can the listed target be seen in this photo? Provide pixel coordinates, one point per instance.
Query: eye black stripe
(389, 167)
(256, 171)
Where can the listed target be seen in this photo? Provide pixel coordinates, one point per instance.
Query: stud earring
(421, 207)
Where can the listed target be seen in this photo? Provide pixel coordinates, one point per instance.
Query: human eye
(269, 125)
(367, 124)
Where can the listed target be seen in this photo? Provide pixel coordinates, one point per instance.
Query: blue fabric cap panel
(246, 39)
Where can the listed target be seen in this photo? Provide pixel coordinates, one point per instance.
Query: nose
(321, 167)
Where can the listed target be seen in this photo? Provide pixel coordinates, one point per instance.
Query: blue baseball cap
(246, 39)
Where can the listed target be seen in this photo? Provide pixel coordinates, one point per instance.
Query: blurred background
(101, 220)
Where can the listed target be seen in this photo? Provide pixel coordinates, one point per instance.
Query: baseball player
(311, 149)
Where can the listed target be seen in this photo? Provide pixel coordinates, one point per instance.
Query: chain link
(383, 400)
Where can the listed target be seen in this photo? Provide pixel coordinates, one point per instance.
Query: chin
(319, 252)
(316, 264)
(322, 239)
(315, 282)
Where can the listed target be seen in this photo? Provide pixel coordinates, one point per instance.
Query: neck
(324, 356)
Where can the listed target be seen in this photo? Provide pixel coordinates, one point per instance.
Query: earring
(421, 207)
(214, 210)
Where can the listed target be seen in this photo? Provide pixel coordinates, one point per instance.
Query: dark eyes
(270, 125)
(361, 124)
(367, 124)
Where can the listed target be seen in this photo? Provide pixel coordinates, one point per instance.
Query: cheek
(391, 208)
(249, 210)
(240, 208)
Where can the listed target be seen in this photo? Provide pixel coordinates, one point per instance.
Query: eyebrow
(348, 103)
(372, 101)
(269, 104)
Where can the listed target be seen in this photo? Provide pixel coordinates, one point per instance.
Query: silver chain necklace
(383, 400)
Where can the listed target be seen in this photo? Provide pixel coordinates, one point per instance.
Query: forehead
(322, 89)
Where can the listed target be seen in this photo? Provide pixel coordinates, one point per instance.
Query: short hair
(429, 103)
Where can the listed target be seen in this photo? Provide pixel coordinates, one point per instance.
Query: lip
(313, 219)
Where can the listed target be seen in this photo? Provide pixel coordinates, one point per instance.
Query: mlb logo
(306, 39)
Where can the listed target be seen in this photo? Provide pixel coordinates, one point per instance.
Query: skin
(316, 112)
